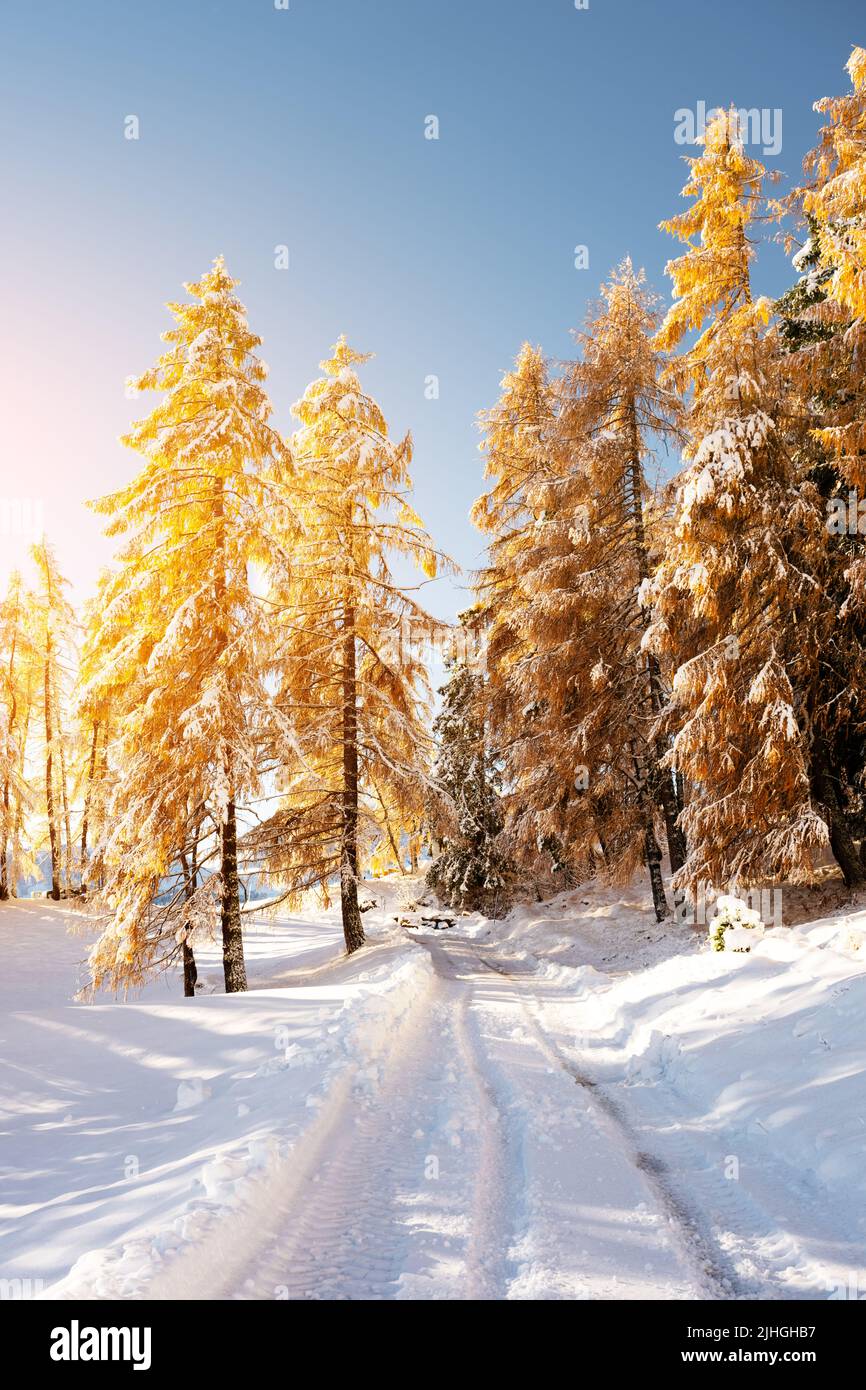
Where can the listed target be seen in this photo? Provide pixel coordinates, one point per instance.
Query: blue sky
(305, 127)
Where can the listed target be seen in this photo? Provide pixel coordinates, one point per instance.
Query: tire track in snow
(346, 1234)
(497, 1188)
(552, 1208)
(740, 1246)
(357, 1214)
(712, 1268)
(750, 1217)
(229, 1260)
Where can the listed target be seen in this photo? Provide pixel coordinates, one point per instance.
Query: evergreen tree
(823, 327)
(470, 870)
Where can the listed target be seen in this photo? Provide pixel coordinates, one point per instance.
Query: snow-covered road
(570, 1104)
(475, 1166)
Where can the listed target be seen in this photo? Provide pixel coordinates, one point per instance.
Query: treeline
(680, 667)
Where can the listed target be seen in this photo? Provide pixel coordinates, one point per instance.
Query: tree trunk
(18, 825)
(49, 776)
(4, 846)
(395, 848)
(190, 969)
(91, 777)
(842, 843)
(234, 967)
(103, 777)
(652, 852)
(64, 795)
(670, 807)
(353, 930)
(662, 782)
(653, 856)
(7, 788)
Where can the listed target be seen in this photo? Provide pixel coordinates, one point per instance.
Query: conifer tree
(823, 328)
(604, 692)
(518, 444)
(185, 635)
(16, 683)
(574, 699)
(836, 196)
(741, 605)
(470, 870)
(353, 688)
(54, 639)
(95, 727)
(823, 317)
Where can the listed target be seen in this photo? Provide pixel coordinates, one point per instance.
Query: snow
(732, 1062)
(129, 1127)
(572, 1103)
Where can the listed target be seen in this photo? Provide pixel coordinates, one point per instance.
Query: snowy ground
(574, 1103)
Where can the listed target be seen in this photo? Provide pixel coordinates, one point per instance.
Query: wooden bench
(433, 919)
(439, 921)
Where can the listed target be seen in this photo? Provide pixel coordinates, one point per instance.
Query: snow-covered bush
(735, 927)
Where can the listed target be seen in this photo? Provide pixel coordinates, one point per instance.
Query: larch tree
(518, 442)
(353, 686)
(185, 635)
(94, 705)
(54, 638)
(574, 699)
(740, 596)
(16, 697)
(602, 531)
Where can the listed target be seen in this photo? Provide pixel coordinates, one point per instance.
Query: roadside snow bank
(746, 1074)
(140, 1124)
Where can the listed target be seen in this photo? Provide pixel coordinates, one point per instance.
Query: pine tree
(470, 870)
(741, 603)
(353, 687)
(186, 637)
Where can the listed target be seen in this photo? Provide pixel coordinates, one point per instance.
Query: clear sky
(305, 127)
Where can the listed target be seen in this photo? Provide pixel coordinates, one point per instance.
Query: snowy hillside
(574, 1103)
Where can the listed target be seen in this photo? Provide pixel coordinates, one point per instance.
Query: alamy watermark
(754, 125)
(22, 516)
(691, 909)
(846, 516)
